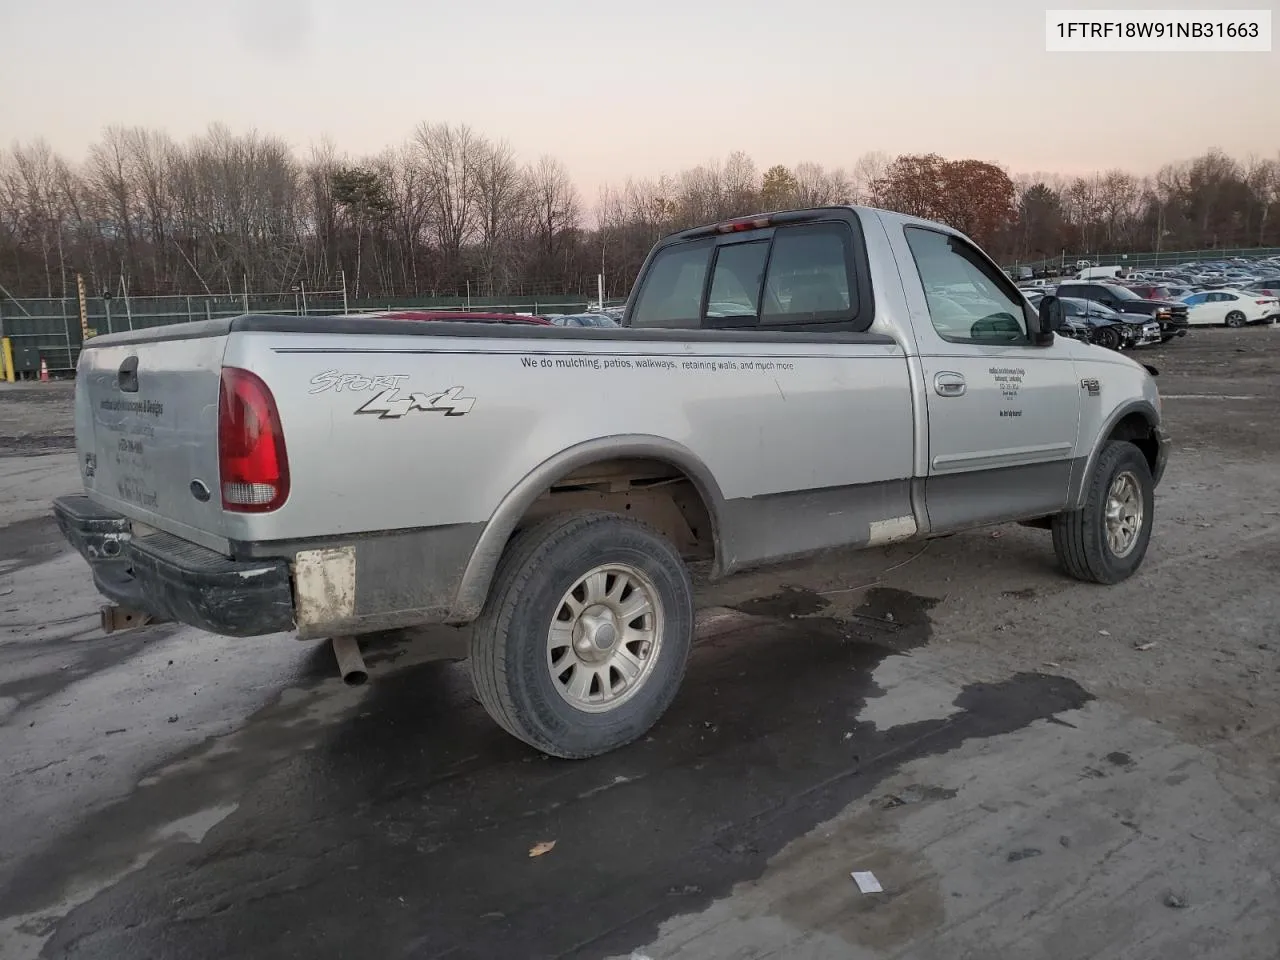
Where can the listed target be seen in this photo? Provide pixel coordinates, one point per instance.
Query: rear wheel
(1106, 540)
(584, 639)
(1236, 319)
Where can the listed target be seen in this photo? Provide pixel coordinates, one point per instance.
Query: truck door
(1003, 414)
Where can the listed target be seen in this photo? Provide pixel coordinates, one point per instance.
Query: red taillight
(746, 223)
(253, 467)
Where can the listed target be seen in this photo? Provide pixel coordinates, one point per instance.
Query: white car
(1232, 308)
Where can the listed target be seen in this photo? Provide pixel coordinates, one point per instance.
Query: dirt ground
(1031, 767)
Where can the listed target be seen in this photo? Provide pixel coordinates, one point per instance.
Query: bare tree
(226, 210)
(149, 154)
(869, 171)
(818, 187)
(554, 202)
(409, 196)
(701, 195)
(110, 177)
(741, 185)
(449, 158)
(500, 200)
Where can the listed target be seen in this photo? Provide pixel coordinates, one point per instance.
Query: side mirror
(1052, 319)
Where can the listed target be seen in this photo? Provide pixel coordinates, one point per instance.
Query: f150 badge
(389, 405)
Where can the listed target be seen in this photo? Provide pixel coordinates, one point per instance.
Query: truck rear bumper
(173, 579)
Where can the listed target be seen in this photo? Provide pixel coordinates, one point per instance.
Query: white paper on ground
(866, 881)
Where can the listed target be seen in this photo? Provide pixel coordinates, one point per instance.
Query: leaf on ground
(538, 849)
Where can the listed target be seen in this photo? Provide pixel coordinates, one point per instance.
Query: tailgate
(147, 428)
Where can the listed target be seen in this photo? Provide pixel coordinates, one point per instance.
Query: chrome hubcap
(604, 637)
(1124, 514)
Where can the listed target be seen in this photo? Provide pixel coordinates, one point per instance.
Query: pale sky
(618, 88)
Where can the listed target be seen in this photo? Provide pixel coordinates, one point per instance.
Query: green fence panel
(54, 327)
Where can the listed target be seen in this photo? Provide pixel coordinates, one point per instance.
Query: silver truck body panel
(413, 455)
(1014, 444)
(139, 452)
(745, 412)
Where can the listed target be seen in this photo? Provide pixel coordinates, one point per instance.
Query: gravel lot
(1032, 767)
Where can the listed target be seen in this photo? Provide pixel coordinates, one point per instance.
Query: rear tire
(1106, 540)
(1236, 319)
(584, 639)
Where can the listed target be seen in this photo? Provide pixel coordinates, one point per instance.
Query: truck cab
(1006, 413)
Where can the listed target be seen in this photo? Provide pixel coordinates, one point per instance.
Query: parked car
(1097, 323)
(332, 476)
(1267, 286)
(1171, 314)
(1100, 273)
(583, 320)
(1231, 308)
(1151, 291)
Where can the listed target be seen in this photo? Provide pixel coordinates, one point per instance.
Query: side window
(968, 303)
(1071, 309)
(735, 284)
(810, 278)
(671, 294)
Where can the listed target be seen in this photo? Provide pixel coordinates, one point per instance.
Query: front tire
(1106, 540)
(1109, 337)
(586, 634)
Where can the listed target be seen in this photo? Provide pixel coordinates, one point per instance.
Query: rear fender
(479, 571)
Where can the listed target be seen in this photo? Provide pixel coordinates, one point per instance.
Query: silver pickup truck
(780, 385)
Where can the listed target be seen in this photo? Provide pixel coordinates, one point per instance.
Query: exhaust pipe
(350, 664)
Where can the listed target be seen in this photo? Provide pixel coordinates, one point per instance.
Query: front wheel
(1109, 337)
(1236, 319)
(1106, 540)
(584, 639)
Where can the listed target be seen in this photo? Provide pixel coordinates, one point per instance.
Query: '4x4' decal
(388, 405)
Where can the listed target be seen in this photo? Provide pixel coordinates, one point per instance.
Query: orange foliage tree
(973, 196)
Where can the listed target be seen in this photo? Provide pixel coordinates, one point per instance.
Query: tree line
(451, 210)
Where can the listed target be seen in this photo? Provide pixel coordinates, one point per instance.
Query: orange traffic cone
(44, 370)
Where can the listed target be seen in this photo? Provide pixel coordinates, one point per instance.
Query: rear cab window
(808, 276)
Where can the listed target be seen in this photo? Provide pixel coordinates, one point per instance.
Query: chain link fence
(1152, 259)
(53, 326)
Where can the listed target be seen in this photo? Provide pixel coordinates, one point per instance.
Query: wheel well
(1136, 429)
(654, 491)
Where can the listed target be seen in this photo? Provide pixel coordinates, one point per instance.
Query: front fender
(1083, 467)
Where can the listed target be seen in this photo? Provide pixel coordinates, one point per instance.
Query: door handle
(949, 385)
(127, 375)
